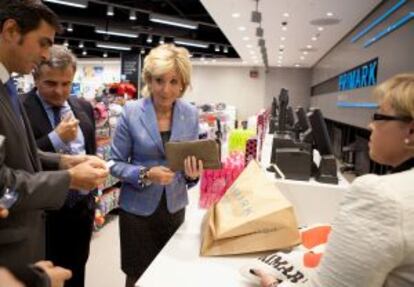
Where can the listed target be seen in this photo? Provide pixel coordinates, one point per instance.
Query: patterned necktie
(14, 97)
(56, 115)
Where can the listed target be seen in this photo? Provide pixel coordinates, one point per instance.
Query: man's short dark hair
(28, 14)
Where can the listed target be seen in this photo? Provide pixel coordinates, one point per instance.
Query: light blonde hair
(398, 91)
(165, 58)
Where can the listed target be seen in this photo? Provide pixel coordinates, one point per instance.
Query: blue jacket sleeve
(121, 151)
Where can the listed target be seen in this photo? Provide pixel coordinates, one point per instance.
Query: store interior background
(228, 78)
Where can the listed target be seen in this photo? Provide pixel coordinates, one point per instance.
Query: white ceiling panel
(234, 18)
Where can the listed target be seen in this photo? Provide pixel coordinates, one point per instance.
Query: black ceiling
(85, 20)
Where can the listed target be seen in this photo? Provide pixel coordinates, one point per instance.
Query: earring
(407, 141)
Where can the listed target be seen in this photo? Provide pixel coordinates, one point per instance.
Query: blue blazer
(137, 144)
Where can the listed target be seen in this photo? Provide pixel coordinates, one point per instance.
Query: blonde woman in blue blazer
(153, 198)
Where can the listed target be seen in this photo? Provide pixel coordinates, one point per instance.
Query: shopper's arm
(121, 152)
(366, 240)
(30, 276)
(49, 160)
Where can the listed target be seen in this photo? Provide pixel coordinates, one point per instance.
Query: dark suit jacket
(41, 126)
(22, 233)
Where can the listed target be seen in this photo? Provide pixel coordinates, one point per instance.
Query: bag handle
(277, 169)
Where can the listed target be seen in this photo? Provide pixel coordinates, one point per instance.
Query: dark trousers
(68, 235)
(143, 237)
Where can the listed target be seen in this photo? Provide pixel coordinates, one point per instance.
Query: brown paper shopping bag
(252, 216)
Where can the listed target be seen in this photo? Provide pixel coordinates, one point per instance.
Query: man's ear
(409, 140)
(10, 31)
(411, 128)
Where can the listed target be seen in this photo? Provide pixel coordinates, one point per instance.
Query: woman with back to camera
(153, 198)
(372, 238)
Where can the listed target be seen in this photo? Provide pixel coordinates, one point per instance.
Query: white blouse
(372, 240)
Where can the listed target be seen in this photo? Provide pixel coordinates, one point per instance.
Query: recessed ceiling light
(281, 46)
(297, 65)
(302, 57)
(110, 11)
(78, 3)
(284, 28)
(249, 46)
(252, 52)
(279, 62)
(309, 46)
(242, 28)
(105, 55)
(246, 38)
(282, 38)
(320, 28)
(314, 38)
(329, 14)
(132, 15)
(286, 14)
(235, 15)
(305, 52)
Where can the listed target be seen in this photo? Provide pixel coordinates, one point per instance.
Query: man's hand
(160, 175)
(56, 274)
(4, 212)
(266, 280)
(67, 129)
(89, 174)
(8, 280)
(68, 161)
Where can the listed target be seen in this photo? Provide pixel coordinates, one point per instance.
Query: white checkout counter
(179, 263)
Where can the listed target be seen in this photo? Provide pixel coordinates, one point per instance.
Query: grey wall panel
(297, 81)
(395, 54)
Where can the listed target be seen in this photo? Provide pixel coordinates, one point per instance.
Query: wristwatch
(143, 179)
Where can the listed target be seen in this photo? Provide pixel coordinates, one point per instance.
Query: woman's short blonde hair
(398, 91)
(163, 59)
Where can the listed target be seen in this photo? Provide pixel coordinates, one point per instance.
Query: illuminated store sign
(362, 76)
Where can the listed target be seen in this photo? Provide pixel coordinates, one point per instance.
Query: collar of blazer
(149, 120)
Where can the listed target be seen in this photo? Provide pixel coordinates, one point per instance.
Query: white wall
(226, 84)
(231, 85)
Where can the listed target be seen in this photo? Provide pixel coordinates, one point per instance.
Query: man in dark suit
(27, 30)
(64, 124)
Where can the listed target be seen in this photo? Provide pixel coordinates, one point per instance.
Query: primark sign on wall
(364, 75)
